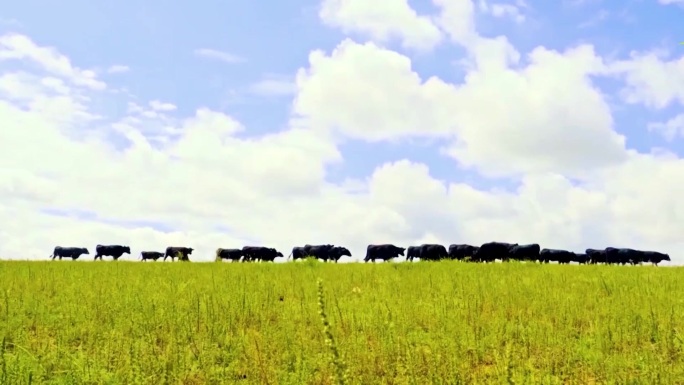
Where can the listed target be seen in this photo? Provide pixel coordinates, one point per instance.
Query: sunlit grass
(421, 323)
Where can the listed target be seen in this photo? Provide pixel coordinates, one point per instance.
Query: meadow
(409, 323)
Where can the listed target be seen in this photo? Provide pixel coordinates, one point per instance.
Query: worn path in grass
(420, 323)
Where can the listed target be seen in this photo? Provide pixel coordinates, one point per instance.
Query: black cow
(596, 256)
(338, 252)
(639, 257)
(581, 258)
(412, 252)
(432, 252)
(384, 252)
(68, 252)
(173, 252)
(153, 255)
(316, 251)
(624, 256)
(114, 251)
(260, 253)
(460, 252)
(298, 252)
(232, 254)
(616, 256)
(555, 255)
(319, 251)
(491, 251)
(525, 252)
(655, 257)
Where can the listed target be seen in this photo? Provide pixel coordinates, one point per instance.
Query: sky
(221, 124)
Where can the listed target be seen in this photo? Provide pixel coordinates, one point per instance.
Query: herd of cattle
(488, 252)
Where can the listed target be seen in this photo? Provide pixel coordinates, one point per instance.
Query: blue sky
(157, 40)
(240, 58)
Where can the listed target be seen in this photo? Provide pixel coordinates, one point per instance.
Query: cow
(412, 252)
(655, 257)
(630, 256)
(556, 255)
(338, 252)
(525, 252)
(639, 257)
(624, 256)
(153, 255)
(260, 253)
(232, 254)
(178, 251)
(319, 251)
(491, 251)
(384, 252)
(114, 251)
(432, 252)
(581, 258)
(68, 252)
(616, 256)
(298, 252)
(314, 251)
(460, 252)
(596, 256)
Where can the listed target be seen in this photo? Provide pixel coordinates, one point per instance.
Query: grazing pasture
(409, 323)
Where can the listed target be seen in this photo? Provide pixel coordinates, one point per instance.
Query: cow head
(400, 250)
(278, 253)
(190, 249)
(84, 250)
(127, 249)
(342, 251)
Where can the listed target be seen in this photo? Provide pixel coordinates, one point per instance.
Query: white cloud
(536, 118)
(457, 19)
(161, 106)
(502, 10)
(19, 47)
(273, 85)
(671, 129)
(382, 21)
(369, 106)
(219, 55)
(651, 79)
(10, 22)
(117, 69)
(492, 134)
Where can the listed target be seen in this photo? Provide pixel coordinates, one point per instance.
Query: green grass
(421, 323)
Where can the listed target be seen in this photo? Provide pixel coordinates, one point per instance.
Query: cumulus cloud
(541, 131)
(382, 21)
(651, 79)
(158, 177)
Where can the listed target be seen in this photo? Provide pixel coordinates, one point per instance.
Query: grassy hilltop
(421, 323)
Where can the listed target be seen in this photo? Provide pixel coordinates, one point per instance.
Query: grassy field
(421, 323)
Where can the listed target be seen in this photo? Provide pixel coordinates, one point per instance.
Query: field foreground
(421, 323)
